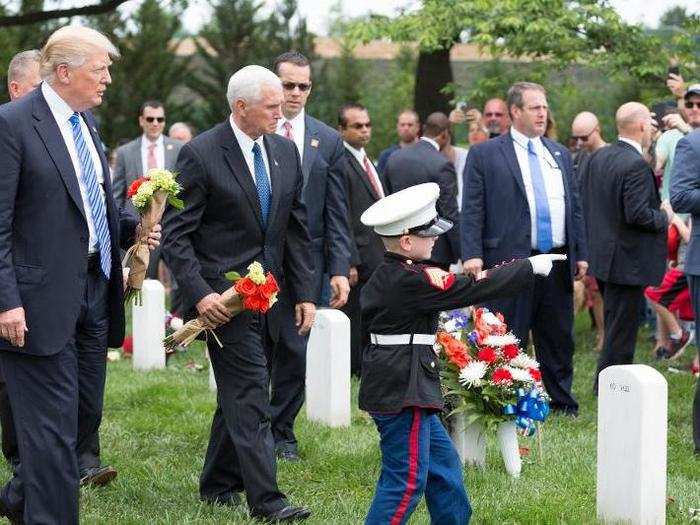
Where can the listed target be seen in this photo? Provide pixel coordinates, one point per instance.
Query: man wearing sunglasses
(322, 163)
(151, 150)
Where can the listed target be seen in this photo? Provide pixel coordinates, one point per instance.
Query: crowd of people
(273, 184)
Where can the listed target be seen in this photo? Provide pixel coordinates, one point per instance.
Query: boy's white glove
(542, 264)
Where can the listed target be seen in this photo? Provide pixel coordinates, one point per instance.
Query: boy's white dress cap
(411, 210)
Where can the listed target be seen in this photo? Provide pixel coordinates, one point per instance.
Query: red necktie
(288, 130)
(152, 163)
(372, 179)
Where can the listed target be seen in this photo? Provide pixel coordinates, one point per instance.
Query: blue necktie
(97, 204)
(262, 183)
(544, 221)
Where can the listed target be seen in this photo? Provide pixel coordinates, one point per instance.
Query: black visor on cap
(436, 227)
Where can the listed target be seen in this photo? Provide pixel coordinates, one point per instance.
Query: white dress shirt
(431, 142)
(298, 131)
(553, 183)
(246, 144)
(360, 155)
(62, 112)
(159, 151)
(636, 145)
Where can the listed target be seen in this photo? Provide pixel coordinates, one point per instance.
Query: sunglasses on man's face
(151, 119)
(582, 138)
(691, 105)
(360, 125)
(493, 115)
(303, 86)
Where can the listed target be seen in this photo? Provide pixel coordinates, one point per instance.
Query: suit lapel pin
(169, 146)
(314, 143)
(94, 129)
(275, 161)
(557, 153)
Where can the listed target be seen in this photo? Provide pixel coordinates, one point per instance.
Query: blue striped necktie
(544, 221)
(263, 184)
(97, 203)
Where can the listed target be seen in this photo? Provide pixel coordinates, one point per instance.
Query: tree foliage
(238, 34)
(562, 32)
(148, 69)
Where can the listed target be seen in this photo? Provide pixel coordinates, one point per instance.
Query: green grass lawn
(156, 425)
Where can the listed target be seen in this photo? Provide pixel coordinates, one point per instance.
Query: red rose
(502, 376)
(269, 288)
(487, 354)
(511, 351)
(245, 287)
(135, 186)
(250, 303)
(535, 374)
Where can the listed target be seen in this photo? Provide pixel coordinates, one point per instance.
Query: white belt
(402, 339)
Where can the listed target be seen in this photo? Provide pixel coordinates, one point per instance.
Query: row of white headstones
(632, 409)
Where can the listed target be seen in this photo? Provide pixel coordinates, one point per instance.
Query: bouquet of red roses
(488, 376)
(256, 291)
(149, 195)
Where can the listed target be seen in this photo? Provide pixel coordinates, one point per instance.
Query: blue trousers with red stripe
(417, 458)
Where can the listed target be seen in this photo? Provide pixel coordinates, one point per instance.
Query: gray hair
(20, 63)
(515, 93)
(246, 84)
(179, 126)
(71, 45)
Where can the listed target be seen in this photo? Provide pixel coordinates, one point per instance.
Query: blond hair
(71, 45)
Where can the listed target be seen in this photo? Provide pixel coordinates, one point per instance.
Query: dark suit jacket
(421, 163)
(685, 193)
(129, 165)
(626, 229)
(43, 230)
(495, 216)
(367, 248)
(220, 228)
(323, 168)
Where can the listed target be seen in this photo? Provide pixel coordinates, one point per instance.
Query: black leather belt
(561, 250)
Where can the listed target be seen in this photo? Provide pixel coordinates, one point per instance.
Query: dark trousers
(418, 459)
(287, 376)
(547, 309)
(622, 310)
(241, 452)
(694, 282)
(10, 449)
(46, 394)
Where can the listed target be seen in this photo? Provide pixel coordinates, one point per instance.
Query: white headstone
(148, 324)
(212, 377)
(632, 426)
(328, 369)
(469, 440)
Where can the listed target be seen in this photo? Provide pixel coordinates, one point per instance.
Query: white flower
(471, 375)
(520, 374)
(450, 326)
(491, 319)
(524, 361)
(176, 323)
(498, 341)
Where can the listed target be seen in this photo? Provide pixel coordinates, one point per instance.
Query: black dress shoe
(229, 499)
(15, 517)
(286, 514)
(97, 476)
(288, 455)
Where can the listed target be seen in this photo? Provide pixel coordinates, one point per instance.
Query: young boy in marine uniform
(400, 383)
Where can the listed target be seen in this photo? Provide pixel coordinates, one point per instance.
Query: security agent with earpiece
(400, 384)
